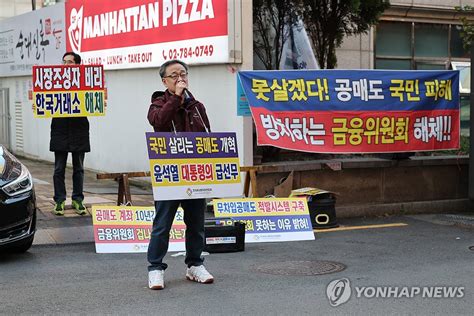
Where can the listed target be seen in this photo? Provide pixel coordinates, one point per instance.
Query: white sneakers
(156, 279)
(199, 274)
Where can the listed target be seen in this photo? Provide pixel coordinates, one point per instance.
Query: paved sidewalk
(73, 228)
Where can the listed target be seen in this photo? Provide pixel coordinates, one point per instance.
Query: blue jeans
(60, 158)
(160, 235)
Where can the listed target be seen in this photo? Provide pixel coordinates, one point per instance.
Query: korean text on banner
(34, 38)
(145, 33)
(122, 229)
(193, 165)
(268, 220)
(355, 111)
(68, 91)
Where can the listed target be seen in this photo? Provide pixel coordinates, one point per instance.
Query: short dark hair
(77, 57)
(169, 63)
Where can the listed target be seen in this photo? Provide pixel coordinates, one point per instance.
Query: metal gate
(4, 118)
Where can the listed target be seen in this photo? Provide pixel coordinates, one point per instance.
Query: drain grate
(460, 219)
(300, 267)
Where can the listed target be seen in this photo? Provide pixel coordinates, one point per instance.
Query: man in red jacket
(176, 110)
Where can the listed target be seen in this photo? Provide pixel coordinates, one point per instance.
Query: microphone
(186, 94)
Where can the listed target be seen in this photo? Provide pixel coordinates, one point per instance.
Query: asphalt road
(423, 254)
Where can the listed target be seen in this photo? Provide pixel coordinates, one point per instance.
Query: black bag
(222, 237)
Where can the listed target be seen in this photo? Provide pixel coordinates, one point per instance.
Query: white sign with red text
(146, 33)
(34, 38)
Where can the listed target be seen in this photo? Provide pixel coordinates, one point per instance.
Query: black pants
(160, 235)
(60, 158)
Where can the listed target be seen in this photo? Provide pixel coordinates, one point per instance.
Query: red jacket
(167, 110)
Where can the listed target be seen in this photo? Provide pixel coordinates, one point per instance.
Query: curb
(405, 208)
(63, 236)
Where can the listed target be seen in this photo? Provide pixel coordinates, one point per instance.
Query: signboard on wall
(146, 33)
(35, 38)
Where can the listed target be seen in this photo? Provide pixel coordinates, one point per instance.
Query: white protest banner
(124, 229)
(268, 219)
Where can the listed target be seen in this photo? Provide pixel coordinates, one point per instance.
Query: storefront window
(465, 114)
(401, 45)
(431, 40)
(396, 64)
(394, 39)
(429, 66)
(457, 48)
(424, 46)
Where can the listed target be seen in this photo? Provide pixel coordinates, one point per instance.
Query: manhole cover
(300, 267)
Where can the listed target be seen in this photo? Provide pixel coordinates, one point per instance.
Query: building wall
(9, 8)
(118, 139)
(357, 52)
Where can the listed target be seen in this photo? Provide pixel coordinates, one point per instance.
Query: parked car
(17, 204)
